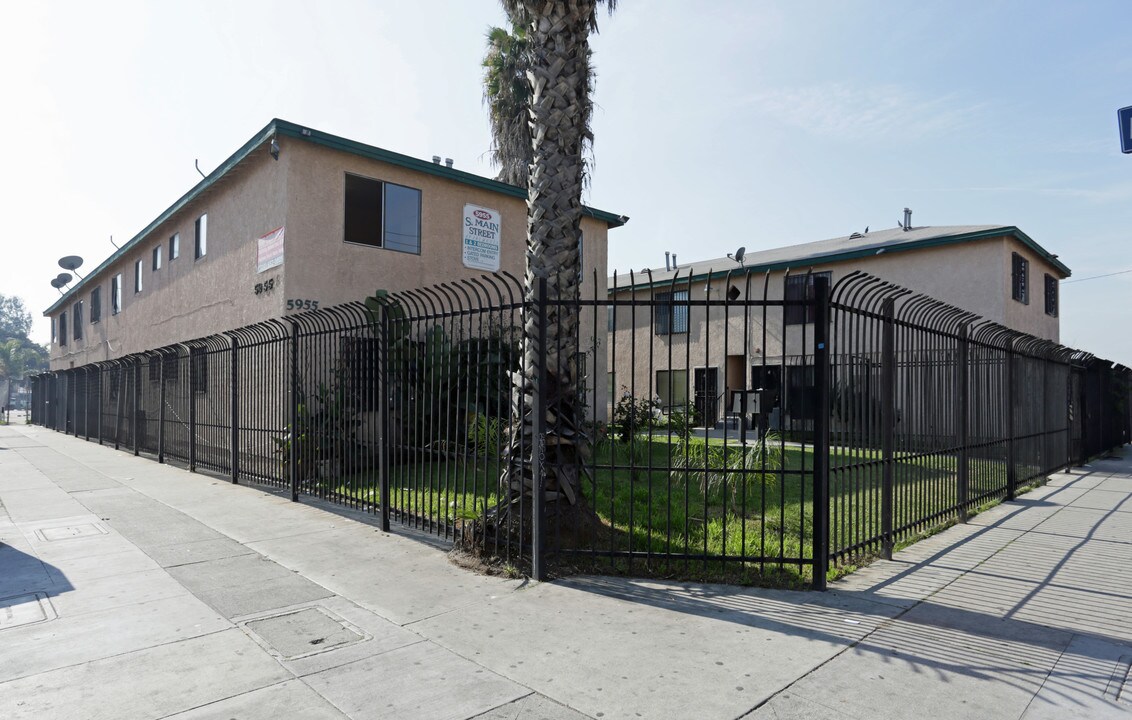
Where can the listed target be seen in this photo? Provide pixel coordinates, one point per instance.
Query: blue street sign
(1124, 118)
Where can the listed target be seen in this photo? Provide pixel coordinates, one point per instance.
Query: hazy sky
(718, 124)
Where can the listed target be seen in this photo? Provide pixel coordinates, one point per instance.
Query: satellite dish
(737, 256)
(64, 278)
(55, 283)
(71, 262)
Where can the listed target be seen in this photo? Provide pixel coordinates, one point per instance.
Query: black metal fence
(742, 428)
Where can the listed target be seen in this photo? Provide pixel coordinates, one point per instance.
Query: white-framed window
(157, 258)
(116, 294)
(200, 233)
(174, 246)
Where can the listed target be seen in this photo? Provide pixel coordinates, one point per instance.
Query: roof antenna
(113, 243)
(197, 163)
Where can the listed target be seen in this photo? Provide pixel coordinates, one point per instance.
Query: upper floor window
(95, 305)
(1020, 278)
(800, 289)
(1051, 295)
(671, 312)
(200, 232)
(77, 319)
(116, 294)
(381, 214)
(63, 328)
(175, 246)
(53, 335)
(157, 258)
(137, 277)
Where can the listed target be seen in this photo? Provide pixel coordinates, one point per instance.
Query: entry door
(706, 384)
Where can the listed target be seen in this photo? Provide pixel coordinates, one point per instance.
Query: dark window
(671, 312)
(138, 277)
(175, 246)
(382, 215)
(200, 232)
(95, 305)
(77, 319)
(157, 258)
(198, 369)
(1020, 279)
(116, 294)
(1051, 295)
(63, 328)
(799, 289)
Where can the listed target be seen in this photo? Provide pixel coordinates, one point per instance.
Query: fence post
(86, 402)
(821, 434)
(1011, 471)
(962, 476)
(383, 415)
(161, 408)
(101, 372)
(234, 443)
(1069, 417)
(192, 398)
(538, 439)
(137, 414)
(120, 373)
(888, 423)
(293, 445)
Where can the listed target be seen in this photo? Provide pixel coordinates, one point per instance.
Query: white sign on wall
(482, 238)
(270, 249)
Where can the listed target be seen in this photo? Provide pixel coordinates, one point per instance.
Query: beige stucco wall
(972, 276)
(304, 191)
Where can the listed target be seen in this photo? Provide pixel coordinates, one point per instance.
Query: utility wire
(1096, 277)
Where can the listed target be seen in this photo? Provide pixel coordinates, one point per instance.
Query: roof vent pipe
(436, 159)
(448, 162)
(907, 219)
(667, 260)
(674, 265)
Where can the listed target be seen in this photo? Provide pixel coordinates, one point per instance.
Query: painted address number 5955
(302, 304)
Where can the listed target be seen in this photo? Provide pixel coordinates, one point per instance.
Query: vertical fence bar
(136, 417)
(234, 409)
(161, 403)
(1011, 470)
(888, 422)
(293, 445)
(962, 478)
(383, 442)
(821, 434)
(190, 396)
(538, 451)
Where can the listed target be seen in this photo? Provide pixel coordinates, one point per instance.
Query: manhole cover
(305, 632)
(1120, 684)
(25, 610)
(69, 531)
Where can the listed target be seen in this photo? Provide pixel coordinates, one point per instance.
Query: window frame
(666, 400)
(803, 285)
(155, 265)
(116, 294)
(1019, 278)
(96, 305)
(200, 237)
(77, 320)
(62, 328)
(1052, 296)
(383, 215)
(667, 318)
(139, 267)
(174, 246)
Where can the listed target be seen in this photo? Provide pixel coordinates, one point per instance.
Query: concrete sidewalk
(130, 589)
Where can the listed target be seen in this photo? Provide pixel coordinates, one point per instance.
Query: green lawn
(743, 510)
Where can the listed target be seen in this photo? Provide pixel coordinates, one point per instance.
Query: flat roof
(857, 245)
(317, 137)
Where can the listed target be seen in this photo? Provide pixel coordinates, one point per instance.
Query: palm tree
(560, 78)
(507, 95)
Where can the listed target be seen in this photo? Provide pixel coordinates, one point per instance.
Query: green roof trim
(1004, 231)
(289, 129)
